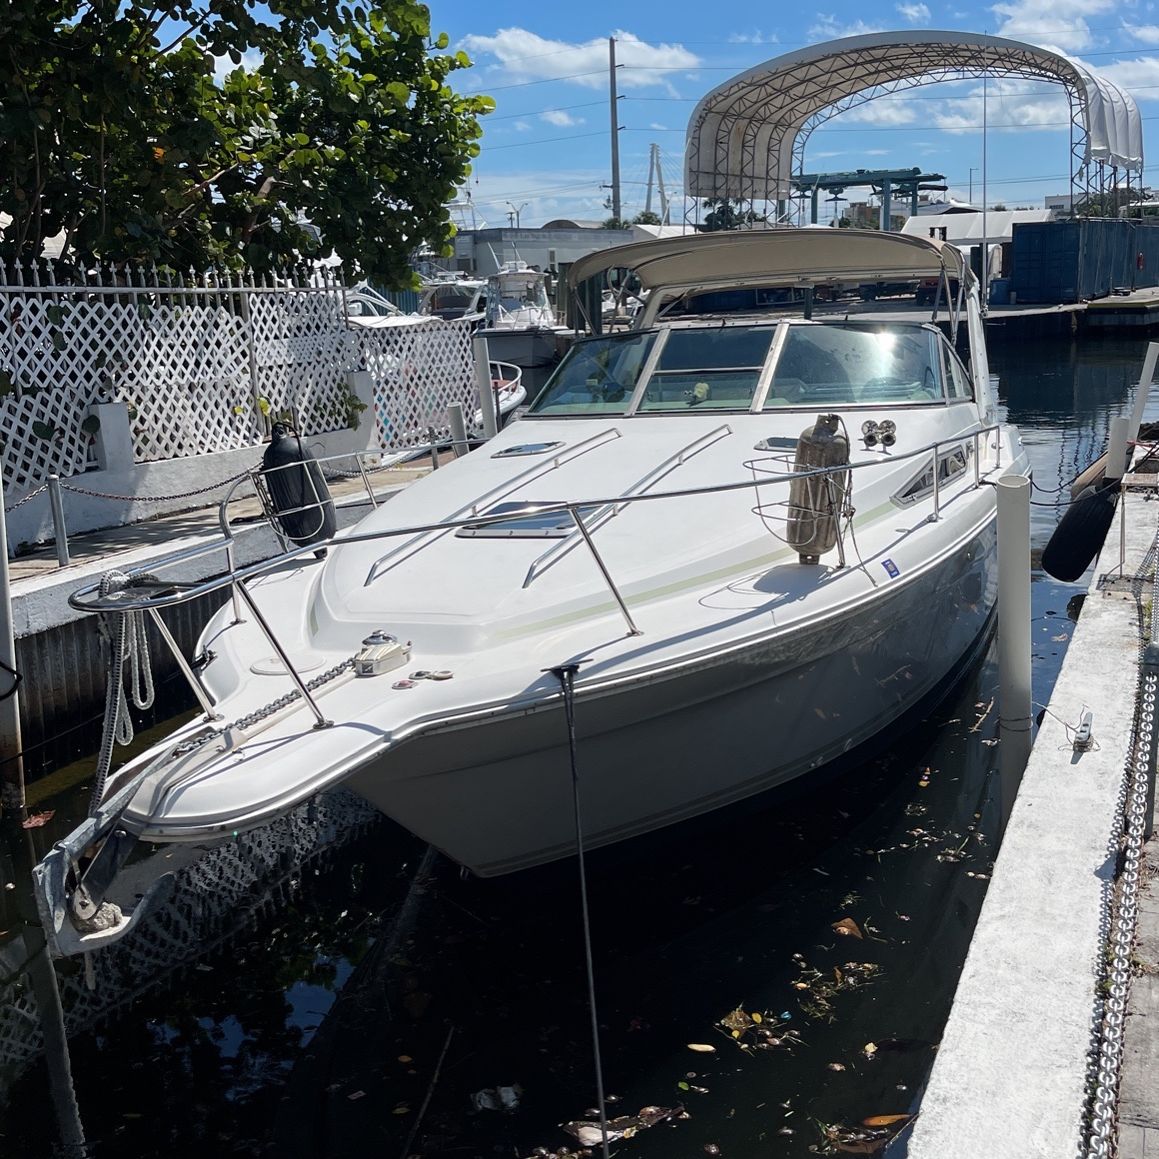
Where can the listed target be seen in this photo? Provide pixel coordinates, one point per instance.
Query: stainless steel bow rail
(75, 875)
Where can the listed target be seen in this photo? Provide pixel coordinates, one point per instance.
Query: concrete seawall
(1013, 1076)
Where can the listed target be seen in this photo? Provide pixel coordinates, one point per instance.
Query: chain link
(154, 498)
(1121, 900)
(260, 714)
(31, 495)
(130, 498)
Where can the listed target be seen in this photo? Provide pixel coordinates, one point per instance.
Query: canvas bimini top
(789, 257)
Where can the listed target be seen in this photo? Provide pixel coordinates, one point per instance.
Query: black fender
(303, 505)
(1080, 533)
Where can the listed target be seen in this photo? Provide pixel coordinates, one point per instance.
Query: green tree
(727, 213)
(334, 129)
(646, 217)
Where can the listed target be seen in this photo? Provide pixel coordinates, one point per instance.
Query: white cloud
(1009, 104)
(575, 193)
(524, 55)
(1141, 73)
(884, 112)
(877, 152)
(658, 127)
(521, 126)
(754, 37)
(828, 27)
(1051, 23)
(1144, 33)
(560, 117)
(223, 66)
(914, 13)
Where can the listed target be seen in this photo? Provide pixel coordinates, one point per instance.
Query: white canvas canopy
(741, 136)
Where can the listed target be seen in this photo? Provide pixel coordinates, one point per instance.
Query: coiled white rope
(127, 640)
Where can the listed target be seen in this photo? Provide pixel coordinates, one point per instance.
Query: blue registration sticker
(890, 568)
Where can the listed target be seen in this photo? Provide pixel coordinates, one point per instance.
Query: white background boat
(712, 663)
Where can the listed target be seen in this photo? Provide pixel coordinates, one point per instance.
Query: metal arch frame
(927, 63)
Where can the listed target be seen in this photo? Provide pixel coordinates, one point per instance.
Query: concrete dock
(1016, 1076)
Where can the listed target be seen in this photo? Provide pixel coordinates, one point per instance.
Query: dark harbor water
(813, 942)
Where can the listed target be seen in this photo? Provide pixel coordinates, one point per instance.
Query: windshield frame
(781, 328)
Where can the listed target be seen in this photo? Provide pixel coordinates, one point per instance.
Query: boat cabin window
(598, 376)
(957, 377)
(450, 303)
(834, 365)
(715, 369)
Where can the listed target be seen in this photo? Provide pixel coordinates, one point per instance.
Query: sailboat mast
(651, 170)
(660, 188)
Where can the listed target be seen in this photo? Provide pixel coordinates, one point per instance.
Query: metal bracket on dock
(1123, 584)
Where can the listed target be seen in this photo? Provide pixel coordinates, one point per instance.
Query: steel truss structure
(748, 136)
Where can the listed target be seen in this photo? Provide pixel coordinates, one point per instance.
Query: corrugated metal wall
(62, 696)
(1072, 261)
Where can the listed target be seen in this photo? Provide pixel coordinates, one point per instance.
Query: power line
(539, 112)
(528, 83)
(547, 140)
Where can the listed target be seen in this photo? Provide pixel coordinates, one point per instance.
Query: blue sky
(546, 148)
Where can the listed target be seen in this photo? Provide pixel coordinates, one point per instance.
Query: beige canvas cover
(800, 257)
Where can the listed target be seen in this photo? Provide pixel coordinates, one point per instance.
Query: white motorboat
(520, 323)
(759, 538)
(507, 389)
(451, 298)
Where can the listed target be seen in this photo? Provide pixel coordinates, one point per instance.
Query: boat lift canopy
(746, 138)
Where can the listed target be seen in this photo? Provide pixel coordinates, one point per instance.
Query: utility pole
(11, 760)
(615, 119)
(973, 169)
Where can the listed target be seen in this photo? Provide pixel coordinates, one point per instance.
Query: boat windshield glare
(722, 368)
(833, 365)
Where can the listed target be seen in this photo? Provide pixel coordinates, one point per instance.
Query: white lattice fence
(45, 387)
(189, 385)
(302, 351)
(417, 371)
(191, 357)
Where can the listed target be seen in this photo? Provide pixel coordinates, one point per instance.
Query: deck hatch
(526, 522)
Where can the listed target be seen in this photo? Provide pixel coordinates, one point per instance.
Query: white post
(1144, 393)
(458, 429)
(59, 529)
(486, 390)
(1117, 452)
(11, 748)
(1014, 703)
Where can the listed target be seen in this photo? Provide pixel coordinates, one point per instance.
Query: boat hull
(496, 795)
(524, 348)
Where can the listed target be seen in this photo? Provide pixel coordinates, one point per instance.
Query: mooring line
(565, 674)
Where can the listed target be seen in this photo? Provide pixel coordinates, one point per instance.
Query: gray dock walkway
(1013, 1076)
(40, 587)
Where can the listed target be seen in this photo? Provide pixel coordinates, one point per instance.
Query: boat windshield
(515, 293)
(598, 376)
(716, 369)
(450, 303)
(832, 365)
